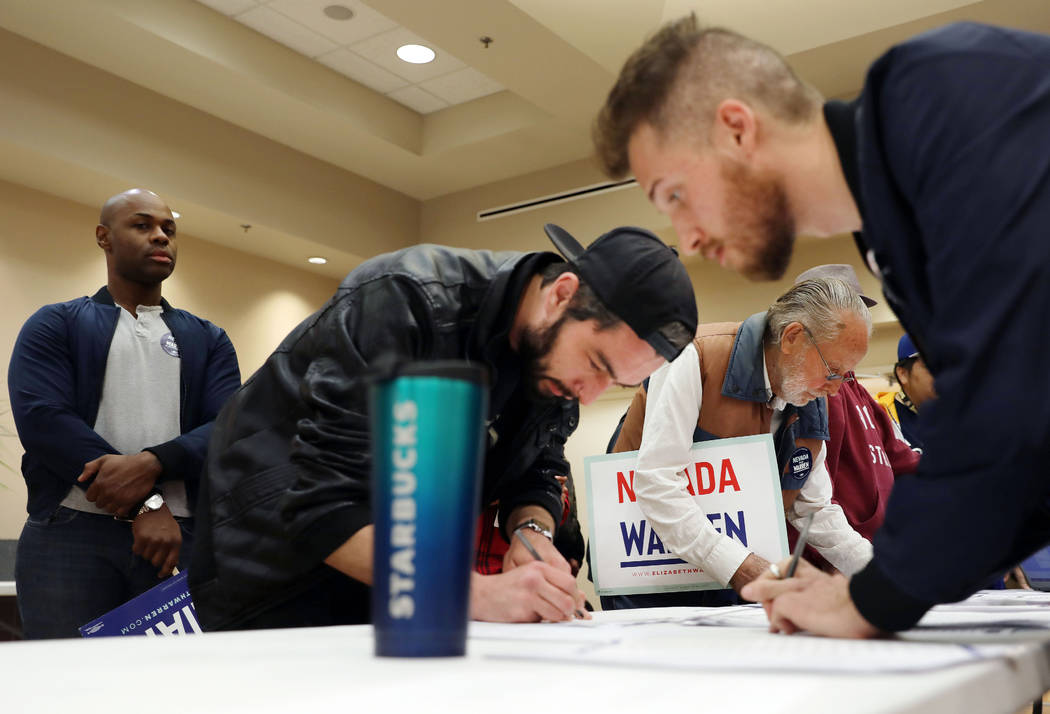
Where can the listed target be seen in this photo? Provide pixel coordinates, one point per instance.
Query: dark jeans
(75, 566)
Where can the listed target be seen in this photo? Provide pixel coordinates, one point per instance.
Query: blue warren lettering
(637, 535)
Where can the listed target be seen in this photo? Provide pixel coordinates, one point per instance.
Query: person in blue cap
(916, 389)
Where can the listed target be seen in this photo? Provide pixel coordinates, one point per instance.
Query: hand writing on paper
(811, 600)
(529, 593)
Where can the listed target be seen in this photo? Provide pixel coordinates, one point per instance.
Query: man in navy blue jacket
(114, 397)
(944, 163)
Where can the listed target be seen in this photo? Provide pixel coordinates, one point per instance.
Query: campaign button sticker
(801, 463)
(167, 343)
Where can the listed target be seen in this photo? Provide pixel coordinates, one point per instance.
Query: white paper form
(1015, 597)
(751, 615)
(748, 650)
(988, 616)
(610, 624)
(573, 632)
(737, 639)
(606, 627)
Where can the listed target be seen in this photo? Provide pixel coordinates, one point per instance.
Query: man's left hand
(811, 600)
(158, 539)
(122, 481)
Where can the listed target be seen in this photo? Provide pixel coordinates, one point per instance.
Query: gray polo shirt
(140, 397)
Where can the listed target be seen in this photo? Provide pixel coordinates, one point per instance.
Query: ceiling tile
(365, 23)
(418, 99)
(229, 7)
(361, 70)
(382, 49)
(286, 31)
(462, 85)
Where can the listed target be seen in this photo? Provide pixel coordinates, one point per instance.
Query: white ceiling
(235, 127)
(360, 43)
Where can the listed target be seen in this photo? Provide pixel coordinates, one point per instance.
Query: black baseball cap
(638, 278)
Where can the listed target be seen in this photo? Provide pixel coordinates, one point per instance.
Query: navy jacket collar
(104, 297)
(745, 378)
(841, 118)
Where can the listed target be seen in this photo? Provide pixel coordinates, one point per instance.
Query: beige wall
(48, 254)
(71, 129)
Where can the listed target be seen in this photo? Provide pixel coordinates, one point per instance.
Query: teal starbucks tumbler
(428, 427)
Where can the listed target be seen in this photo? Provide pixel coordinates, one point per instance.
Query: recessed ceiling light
(176, 214)
(338, 12)
(317, 260)
(415, 54)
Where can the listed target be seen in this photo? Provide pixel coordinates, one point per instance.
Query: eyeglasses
(832, 375)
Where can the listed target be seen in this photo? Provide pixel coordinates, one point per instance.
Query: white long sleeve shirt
(672, 411)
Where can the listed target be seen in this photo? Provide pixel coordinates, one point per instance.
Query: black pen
(799, 547)
(532, 551)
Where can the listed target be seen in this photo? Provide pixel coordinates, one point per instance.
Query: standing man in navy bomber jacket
(114, 397)
(944, 163)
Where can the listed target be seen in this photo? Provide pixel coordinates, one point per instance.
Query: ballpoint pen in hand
(533, 552)
(799, 547)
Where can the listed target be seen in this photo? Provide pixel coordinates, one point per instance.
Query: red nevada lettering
(728, 477)
(622, 485)
(704, 484)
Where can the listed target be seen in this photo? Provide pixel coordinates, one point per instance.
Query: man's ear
(897, 372)
(735, 129)
(102, 236)
(559, 294)
(793, 338)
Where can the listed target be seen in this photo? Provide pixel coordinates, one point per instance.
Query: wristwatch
(533, 525)
(153, 503)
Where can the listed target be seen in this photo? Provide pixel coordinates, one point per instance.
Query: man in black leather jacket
(284, 535)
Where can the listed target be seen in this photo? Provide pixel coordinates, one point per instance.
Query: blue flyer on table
(164, 610)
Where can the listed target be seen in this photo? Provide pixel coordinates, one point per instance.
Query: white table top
(7, 587)
(333, 669)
